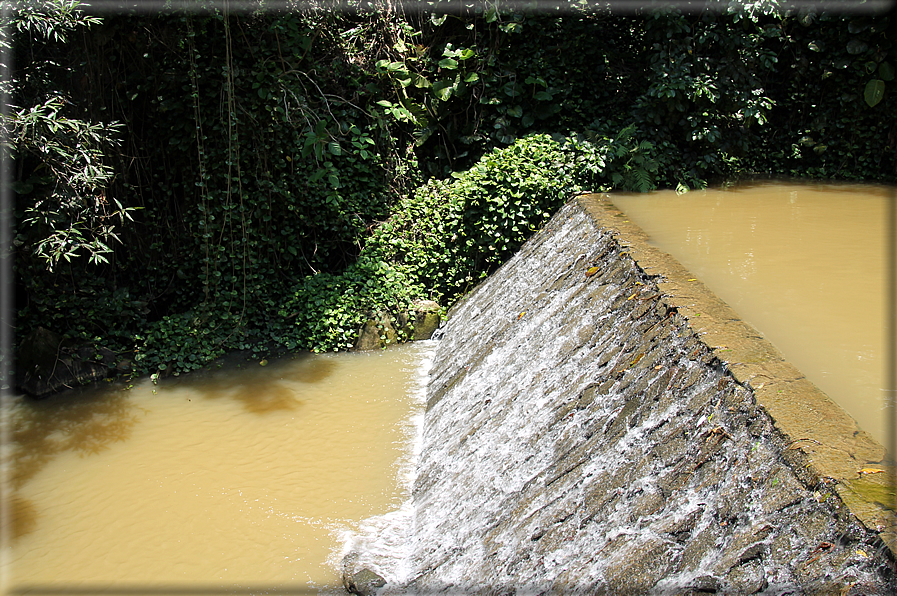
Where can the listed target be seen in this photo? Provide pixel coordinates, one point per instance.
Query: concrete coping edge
(836, 451)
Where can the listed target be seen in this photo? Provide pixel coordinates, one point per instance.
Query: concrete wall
(582, 437)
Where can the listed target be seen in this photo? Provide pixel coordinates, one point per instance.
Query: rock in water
(426, 319)
(47, 363)
(364, 582)
(377, 332)
(380, 329)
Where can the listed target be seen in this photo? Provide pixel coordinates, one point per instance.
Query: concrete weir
(599, 422)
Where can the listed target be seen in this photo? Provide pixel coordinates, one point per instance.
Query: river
(802, 263)
(236, 480)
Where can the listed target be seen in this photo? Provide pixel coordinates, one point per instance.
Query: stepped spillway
(581, 436)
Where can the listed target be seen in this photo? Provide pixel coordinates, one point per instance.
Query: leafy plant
(289, 173)
(60, 170)
(449, 235)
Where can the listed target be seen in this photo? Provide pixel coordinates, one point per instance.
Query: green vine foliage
(257, 162)
(450, 234)
(834, 100)
(289, 173)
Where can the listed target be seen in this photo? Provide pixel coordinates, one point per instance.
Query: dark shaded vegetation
(191, 184)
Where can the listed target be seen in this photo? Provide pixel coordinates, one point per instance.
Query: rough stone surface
(580, 437)
(377, 332)
(364, 583)
(382, 329)
(422, 322)
(358, 579)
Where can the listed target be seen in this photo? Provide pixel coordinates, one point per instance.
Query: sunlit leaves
(71, 215)
(449, 235)
(48, 19)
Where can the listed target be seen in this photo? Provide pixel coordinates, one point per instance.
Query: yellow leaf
(870, 471)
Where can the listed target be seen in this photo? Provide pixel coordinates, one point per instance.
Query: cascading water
(382, 542)
(580, 438)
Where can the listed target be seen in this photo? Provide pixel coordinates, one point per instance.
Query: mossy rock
(381, 328)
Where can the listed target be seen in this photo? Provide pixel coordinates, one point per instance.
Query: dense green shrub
(275, 164)
(450, 234)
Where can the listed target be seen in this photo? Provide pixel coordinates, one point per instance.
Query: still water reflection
(226, 479)
(801, 263)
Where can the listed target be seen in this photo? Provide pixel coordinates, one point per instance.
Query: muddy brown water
(803, 264)
(240, 479)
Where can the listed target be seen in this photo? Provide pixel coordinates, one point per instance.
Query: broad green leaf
(438, 19)
(855, 46)
(875, 91)
(448, 63)
(886, 71)
(420, 82)
(466, 53)
(384, 103)
(422, 136)
(471, 77)
(335, 148)
(442, 90)
(510, 89)
(858, 25)
(491, 15)
(544, 96)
